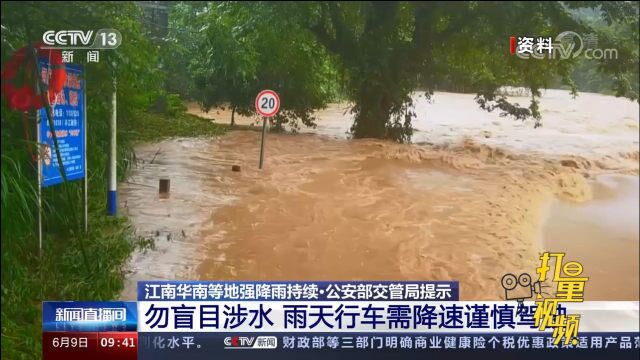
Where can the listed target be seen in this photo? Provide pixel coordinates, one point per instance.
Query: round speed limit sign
(267, 103)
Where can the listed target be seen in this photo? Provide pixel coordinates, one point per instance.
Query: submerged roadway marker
(267, 105)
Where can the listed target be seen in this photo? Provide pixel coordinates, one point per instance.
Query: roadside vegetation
(75, 265)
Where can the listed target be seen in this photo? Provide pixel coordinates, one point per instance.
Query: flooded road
(590, 125)
(170, 225)
(467, 202)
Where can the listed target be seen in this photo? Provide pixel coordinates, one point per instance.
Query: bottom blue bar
(195, 346)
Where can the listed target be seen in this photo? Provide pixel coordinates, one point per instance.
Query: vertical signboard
(69, 122)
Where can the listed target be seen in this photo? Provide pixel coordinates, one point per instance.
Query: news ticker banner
(205, 320)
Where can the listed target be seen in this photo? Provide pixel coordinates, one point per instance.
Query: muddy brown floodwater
(326, 208)
(603, 234)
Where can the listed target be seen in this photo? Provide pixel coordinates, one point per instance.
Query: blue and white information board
(68, 119)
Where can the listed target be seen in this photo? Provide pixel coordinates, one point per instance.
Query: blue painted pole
(112, 198)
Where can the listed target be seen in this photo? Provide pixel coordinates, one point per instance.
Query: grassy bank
(152, 127)
(73, 265)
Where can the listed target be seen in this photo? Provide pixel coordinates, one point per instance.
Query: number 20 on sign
(267, 105)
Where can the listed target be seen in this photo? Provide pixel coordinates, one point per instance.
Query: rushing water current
(465, 202)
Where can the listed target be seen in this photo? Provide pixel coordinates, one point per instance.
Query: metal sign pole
(267, 105)
(264, 132)
(39, 151)
(86, 172)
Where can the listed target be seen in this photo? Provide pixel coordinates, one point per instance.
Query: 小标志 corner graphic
(569, 287)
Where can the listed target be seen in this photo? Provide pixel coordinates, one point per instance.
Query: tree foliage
(377, 53)
(247, 47)
(180, 46)
(391, 48)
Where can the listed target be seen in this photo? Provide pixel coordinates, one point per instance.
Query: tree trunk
(233, 113)
(372, 115)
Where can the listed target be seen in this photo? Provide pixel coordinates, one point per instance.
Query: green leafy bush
(175, 106)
